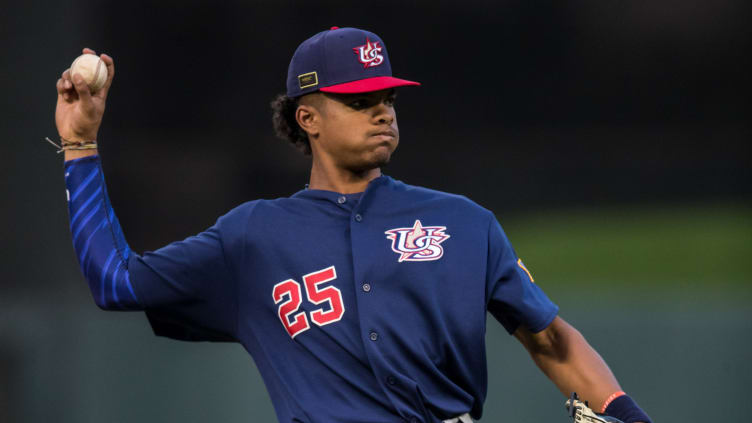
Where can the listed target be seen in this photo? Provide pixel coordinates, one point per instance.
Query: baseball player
(361, 298)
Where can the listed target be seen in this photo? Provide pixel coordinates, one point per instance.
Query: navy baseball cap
(341, 60)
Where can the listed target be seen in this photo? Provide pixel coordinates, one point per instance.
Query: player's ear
(307, 118)
(308, 114)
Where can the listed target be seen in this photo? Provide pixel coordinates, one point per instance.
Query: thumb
(82, 89)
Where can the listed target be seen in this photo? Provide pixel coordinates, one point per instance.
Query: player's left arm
(563, 354)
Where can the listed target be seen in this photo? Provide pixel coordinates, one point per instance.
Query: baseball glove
(581, 413)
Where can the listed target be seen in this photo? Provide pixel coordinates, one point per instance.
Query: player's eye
(391, 98)
(360, 103)
(365, 102)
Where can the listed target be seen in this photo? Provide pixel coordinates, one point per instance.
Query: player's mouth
(384, 134)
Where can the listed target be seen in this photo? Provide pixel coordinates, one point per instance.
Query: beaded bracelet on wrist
(73, 145)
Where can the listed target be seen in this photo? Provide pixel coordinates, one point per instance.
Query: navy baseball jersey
(366, 307)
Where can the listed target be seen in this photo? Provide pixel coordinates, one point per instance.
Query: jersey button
(391, 380)
(342, 199)
(373, 336)
(358, 217)
(367, 287)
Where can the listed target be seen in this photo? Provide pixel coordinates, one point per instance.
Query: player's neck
(344, 181)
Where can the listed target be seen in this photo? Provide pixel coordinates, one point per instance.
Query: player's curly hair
(285, 125)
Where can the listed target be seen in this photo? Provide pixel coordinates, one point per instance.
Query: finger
(65, 88)
(87, 50)
(110, 74)
(67, 95)
(82, 89)
(67, 82)
(61, 91)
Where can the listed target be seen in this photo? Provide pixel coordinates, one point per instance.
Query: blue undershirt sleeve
(514, 298)
(100, 246)
(186, 288)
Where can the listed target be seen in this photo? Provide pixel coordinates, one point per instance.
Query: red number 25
(295, 323)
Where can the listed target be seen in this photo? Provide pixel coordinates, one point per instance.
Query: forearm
(97, 237)
(563, 354)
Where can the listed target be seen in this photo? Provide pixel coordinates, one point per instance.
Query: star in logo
(418, 243)
(369, 54)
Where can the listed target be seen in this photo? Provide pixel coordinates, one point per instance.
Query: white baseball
(92, 69)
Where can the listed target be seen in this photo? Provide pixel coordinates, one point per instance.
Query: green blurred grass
(689, 247)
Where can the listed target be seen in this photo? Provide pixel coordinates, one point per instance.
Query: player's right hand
(79, 112)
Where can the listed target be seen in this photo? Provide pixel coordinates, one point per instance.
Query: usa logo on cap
(369, 54)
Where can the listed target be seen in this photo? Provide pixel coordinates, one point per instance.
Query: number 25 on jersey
(295, 322)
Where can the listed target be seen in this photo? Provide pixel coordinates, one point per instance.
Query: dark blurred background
(612, 139)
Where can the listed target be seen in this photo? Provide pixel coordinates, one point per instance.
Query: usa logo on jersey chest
(418, 243)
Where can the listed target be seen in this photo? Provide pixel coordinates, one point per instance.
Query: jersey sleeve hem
(164, 325)
(545, 322)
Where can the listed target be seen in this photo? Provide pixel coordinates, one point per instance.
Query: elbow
(564, 342)
(106, 304)
(114, 291)
(553, 343)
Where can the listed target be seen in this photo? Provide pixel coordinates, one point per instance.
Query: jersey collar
(335, 197)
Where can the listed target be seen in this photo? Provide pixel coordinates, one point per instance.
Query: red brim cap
(367, 85)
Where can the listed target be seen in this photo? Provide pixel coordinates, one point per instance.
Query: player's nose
(383, 114)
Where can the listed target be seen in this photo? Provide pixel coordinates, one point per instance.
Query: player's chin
(382, 154)
(376, 158)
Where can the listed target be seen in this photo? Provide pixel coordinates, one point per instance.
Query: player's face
(358, 132)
